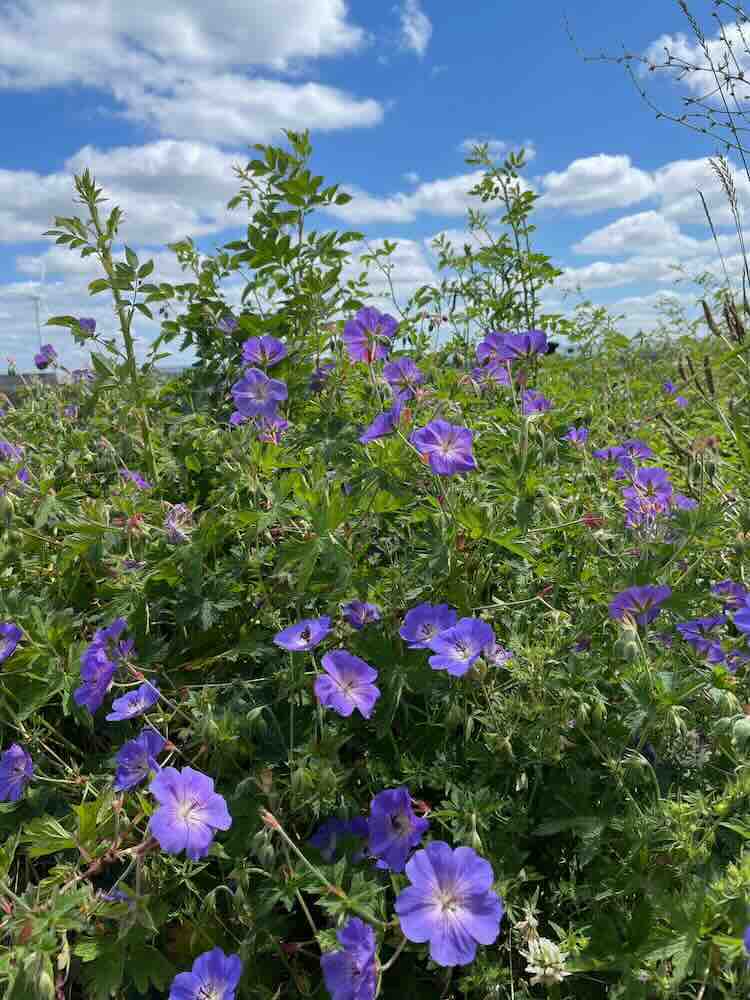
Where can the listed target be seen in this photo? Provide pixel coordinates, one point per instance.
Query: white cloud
(647, 233)
(690, 51)
(189, 69)
(611, 274)
(447, 196)
(498, 147)
(594, 183)
(416, 27)
(167, 189)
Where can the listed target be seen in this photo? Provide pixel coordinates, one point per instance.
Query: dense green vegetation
(602, 768)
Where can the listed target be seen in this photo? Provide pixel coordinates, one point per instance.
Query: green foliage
(604, 774)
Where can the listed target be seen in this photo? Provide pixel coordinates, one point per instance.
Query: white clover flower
(545, 961)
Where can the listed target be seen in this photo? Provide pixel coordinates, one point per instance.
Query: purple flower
(681, 401)
(87, 325)
(534, 402)
(492, 374)
(45, 357)
(134, 703)
(742, 617)
(368, 336)
(669, 387)
(360, 613)
(650, 483)
(458, 648)
(395, 830)
(683, 502)
(214, 976)
(190, 811)
(271, 429)
(97, 674)
(640, 603)
(698, 633)
(227, 324)
(735, 659)
(304, 635)
(16, 770)
(134, 477)
(734, 594)
(10, 452)
(10, 636)
(347, 684)
(320, 376)
(512, 346)
(83, 374)
(384, 424)
(70, 411)
(403, 377)
(577, 436)
(494, 655)
(350, 974)
(450, 903)
(611, 454)
(448, 447)
(265, 351)
(636, 448)
(424, 622)
(136, 758)
(258, 395)
(178, 523)
(328, 836)
(746, 939)
(236, 418)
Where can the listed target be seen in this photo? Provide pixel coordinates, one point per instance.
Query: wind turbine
(36, 299)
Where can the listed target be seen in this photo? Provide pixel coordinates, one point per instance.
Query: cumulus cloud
(688, 50)
(499, 147)
(416, 27)
(647, 233)
(190, 69)
(594, 183)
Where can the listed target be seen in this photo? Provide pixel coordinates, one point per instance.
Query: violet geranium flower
(384, 424)
(190, 811)
(450, 903)
(699, 633)
(424, 622)
(403, 377)
(178, 523)
(448, 447)
(258, 395)
(578, 436)
(327, 838)
(136, 758)
(533, 401)
(135, 477)
(134, 703)
(639, 603)
(265, 351)
(516, 346)
(395, 830)
(350, 974)
(97, 674)
(16, 771)
(491, 375)
(347, 684)
(87, 324)
(360, 613)
(320, 376)
(368, 336)
(271, 429)
(458, 648)
(734, 594)
(304, 635)
(10, 636)
(227, 324)
(214, 976)
(45, 357)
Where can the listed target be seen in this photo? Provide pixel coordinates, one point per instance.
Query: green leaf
(145, 269)
(98, 285)
(45, 835)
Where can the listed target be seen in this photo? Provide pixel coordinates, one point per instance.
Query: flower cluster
(45, 356)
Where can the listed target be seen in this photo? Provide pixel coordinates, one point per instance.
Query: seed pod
(711, 322)
(709, 376)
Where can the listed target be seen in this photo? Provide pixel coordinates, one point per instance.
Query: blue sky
(160, 105)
